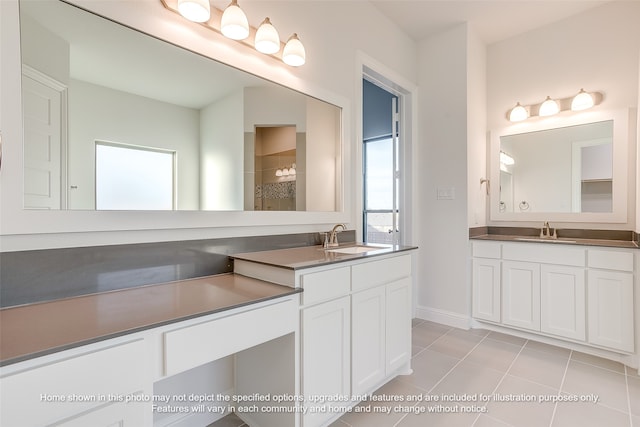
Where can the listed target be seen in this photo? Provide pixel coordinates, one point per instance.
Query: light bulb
(293, 53)
(506, 159)
(548, 108)
(234, 23)
(518, 113)
(582, 101)
(267, 38)
(195, 10)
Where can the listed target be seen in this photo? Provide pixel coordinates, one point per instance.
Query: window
(130, 177)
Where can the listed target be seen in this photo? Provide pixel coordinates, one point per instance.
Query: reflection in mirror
(90, 83)
(566, 169)
(276, 169)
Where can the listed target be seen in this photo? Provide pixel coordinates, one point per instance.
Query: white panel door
(398, 324)
(42, 110)
(486, 289)
(521, 294)
(325, 356)
(610, 309)
(562, 301)
(368, 339)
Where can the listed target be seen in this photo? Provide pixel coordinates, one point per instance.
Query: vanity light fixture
(195, 10)
(292, 169)
(518, 113)
(278, 172)
(549, 107)
(294, 53)
(582, 101)
(267, 38)
(233, 23)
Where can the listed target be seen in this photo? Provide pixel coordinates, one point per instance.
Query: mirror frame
(623, 184)
(153, 19)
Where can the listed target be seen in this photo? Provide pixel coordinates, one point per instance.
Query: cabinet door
(325, 356)
(486, 289)
(521, 294)
(368, 338)
(562, 301)
(610, 309)
(398, 324)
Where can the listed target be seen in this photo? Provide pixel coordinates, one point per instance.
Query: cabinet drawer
(545, 253)
(486, 249)
(325, 285)
(50, 393)
(610, 260)
(196, 345)
(374, 273)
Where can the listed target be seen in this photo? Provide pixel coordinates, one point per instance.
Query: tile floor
(476, 364)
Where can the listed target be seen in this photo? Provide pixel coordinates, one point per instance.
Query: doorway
(386, 174)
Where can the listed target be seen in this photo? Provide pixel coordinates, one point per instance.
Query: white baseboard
(448, 318)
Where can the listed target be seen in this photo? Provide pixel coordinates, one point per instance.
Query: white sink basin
(542, 240)
(354, 249)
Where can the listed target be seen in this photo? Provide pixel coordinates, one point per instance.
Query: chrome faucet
(333, 234)
(545, 232)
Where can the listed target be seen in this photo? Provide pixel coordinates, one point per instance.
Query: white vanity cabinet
(355, 324)
(486, 281)
(569, 292)
(521, 294)
(94, 385)
(562, 301)
(610, 306)
(381, 321)
(326, 340)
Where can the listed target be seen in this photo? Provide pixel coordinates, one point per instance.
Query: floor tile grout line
(456, 365)
(506, 372)
(626, 383)
(421, 351)
(449, 371)
(564, 376)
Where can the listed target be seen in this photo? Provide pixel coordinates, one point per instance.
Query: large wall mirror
(115, 119)
(574, 172)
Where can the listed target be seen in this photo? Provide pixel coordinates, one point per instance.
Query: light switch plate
(446, 193)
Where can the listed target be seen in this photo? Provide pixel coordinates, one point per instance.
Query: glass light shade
(582, 101)
(267, 38)
(293, 53)
(548, 108)
(292, 171)
(278, 172)
(506, 159)
(285, 172)
(234, 23)
(195, 10)
(518, 113)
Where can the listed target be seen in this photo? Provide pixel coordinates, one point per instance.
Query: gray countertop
(314, 256)
(38, 329)
(560, 241)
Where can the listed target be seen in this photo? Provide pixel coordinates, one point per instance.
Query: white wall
(596, 50)
(322, 156)
(103, 114)
(445, 76)
(222, 154)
